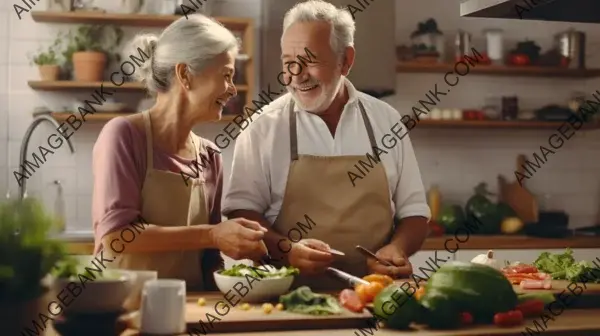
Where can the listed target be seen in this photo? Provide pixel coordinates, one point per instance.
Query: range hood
(582, 11)
(374, 69)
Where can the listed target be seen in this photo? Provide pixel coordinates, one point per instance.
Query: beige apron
(168, 201)
(344, 215)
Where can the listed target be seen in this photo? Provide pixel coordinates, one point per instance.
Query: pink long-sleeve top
(119, 169)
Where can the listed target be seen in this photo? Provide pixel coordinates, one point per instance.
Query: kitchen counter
(81, 244)
(580, 322)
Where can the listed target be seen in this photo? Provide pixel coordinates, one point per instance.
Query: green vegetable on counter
(544, 296)
(466, 287)
(564, 267)
(263, 271)
(397, 309)
(302, 300)
(490, 215)
(451, 218)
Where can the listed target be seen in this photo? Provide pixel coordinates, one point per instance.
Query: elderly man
(291, 166)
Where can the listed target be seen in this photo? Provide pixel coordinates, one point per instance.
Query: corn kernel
(279, 306)
(245, 306)
(267, 308)
(201, 302)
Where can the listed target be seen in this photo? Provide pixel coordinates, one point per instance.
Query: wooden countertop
(437, 243)
(580, 322)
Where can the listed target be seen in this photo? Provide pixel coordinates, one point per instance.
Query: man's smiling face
(312, 85)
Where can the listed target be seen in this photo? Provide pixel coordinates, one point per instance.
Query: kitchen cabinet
(529, 256)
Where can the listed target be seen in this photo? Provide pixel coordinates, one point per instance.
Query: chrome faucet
(38, 119)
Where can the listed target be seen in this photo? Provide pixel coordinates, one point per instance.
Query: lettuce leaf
(564, 267)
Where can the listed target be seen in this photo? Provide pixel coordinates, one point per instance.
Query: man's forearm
(410, 234)
(277, 244)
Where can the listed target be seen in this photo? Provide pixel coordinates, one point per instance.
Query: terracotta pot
(20, 315)
(49, 72)
(89, 66)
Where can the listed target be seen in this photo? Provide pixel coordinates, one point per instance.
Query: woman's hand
(240, 238)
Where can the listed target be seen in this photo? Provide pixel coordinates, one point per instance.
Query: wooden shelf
(132, 20)
(498, 124)
(498, 70)
(106, 116)
(76, 85)
(508, 242)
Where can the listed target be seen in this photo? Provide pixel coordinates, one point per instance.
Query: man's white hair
(342, 24)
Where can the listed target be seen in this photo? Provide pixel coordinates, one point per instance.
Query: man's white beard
(323, 101)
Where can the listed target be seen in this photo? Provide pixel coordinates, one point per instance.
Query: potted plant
(48, 62)
(90, 49)
(27, 254)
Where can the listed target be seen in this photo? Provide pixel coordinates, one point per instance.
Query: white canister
(495, 44)
(163, 307)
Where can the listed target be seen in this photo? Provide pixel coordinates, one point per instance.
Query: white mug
(163, 307)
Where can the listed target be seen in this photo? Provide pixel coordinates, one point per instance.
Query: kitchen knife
(348, 278)
(370, 254)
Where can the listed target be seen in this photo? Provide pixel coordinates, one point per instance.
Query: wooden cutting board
(255, 319)
(517, 196)
(589, 297)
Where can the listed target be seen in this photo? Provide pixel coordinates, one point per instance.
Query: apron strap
(294, 135)
(149, 142)
(369, 127)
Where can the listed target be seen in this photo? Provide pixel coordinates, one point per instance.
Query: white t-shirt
(261, 157)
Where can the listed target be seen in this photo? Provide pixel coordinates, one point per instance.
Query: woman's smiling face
(212, 88)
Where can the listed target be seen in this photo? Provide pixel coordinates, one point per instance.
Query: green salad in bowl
(91, 287)
(263, 282)
(263, 271)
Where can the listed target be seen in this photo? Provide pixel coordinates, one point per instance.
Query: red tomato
(466, 318)
(509, 319)
(350, 300)
(520, 59)
(531, 308)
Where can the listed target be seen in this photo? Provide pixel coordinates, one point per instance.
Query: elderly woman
(157, 185)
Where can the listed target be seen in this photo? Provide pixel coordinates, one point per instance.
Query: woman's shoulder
(117, 132)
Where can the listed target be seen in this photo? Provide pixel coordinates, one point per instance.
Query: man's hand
(310, 256)
(394, 255)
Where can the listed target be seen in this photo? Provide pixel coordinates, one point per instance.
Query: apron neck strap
(294, 130)
(149, 142)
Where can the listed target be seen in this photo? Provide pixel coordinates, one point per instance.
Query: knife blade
(346, 277)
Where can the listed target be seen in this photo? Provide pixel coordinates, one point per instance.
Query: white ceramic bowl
(262, 290)
(100, 295)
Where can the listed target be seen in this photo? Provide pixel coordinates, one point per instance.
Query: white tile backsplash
(455, 159)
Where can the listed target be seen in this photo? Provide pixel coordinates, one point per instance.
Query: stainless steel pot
(571, 44)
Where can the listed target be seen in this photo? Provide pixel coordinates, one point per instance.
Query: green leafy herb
(564, 267)
(304, 301)
(264, 271)
(27, 253)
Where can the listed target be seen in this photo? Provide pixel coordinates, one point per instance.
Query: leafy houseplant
(90, 48)
(27, 255)
(48, 61)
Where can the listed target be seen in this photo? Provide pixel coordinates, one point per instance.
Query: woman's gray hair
(342, 24)
(194, 41)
